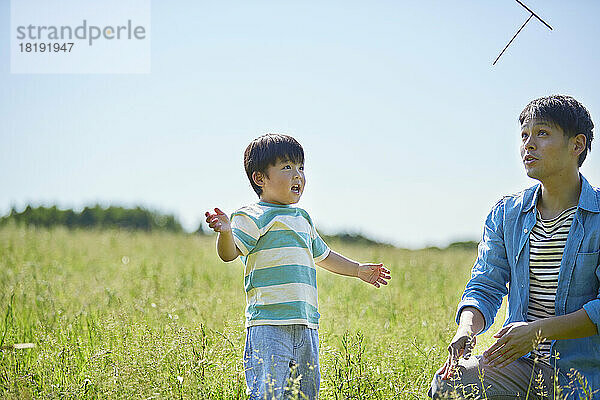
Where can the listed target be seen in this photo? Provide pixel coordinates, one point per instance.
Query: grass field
(117, 314)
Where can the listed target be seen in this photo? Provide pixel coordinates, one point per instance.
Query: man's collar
(530, 197)
(587, 198)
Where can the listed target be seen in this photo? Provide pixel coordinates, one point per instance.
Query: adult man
(544, 244)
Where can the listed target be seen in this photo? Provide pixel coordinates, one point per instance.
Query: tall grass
(116, 314)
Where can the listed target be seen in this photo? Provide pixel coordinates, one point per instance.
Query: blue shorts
(278, 355)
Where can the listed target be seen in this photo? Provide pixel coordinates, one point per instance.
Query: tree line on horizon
(140, 218)
(137, 218)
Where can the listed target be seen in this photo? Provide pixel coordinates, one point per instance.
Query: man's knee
(445, 389)
(464, 383)
(436, 387)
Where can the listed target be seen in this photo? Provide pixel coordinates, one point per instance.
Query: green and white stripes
(280, 246)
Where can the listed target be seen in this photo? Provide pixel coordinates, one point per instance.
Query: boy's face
(546, 151)
(283, 183)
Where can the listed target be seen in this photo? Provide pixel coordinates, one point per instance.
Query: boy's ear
(258, 178)
(579, 143)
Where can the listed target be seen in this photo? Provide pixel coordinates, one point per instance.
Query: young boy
(279, 246)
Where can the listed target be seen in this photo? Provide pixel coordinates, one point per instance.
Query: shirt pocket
(584, 282)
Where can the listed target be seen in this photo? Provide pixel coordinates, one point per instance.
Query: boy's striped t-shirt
(546, 247)
(279, 246)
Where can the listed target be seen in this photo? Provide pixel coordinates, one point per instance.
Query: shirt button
(525, 230)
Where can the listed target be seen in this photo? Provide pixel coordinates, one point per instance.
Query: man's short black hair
(566, 112)
(266, 150)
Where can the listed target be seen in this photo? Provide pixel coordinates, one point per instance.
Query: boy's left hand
(375, 274)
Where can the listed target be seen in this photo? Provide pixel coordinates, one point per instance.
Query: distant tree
(71, 220)
(171, 224)
(354, 238)
(466, 245)
(143, 219)
(89, 218)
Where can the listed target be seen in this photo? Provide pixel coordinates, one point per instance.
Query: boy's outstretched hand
(375, 274)
(218, 222)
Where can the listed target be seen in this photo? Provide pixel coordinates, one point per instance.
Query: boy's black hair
(266, 150)
(566, 112)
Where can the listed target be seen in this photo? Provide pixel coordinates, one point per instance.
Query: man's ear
(579, 143)
(258, 178)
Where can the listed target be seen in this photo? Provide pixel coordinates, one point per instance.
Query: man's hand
(462, 345)
(218, 222)
(375, 274)
(514, 340)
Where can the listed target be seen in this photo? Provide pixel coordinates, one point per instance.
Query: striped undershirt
(546, 246)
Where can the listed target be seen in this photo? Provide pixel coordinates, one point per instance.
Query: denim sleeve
(491, 271)
(592, 308)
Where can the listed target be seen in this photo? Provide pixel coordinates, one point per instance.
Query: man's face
(283, 183)
(546, 151)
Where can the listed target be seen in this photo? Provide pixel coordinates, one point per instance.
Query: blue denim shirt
(503, 258)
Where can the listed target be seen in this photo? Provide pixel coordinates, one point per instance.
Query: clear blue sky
(409, 132)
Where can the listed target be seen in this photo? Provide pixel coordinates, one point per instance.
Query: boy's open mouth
(296, 189)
